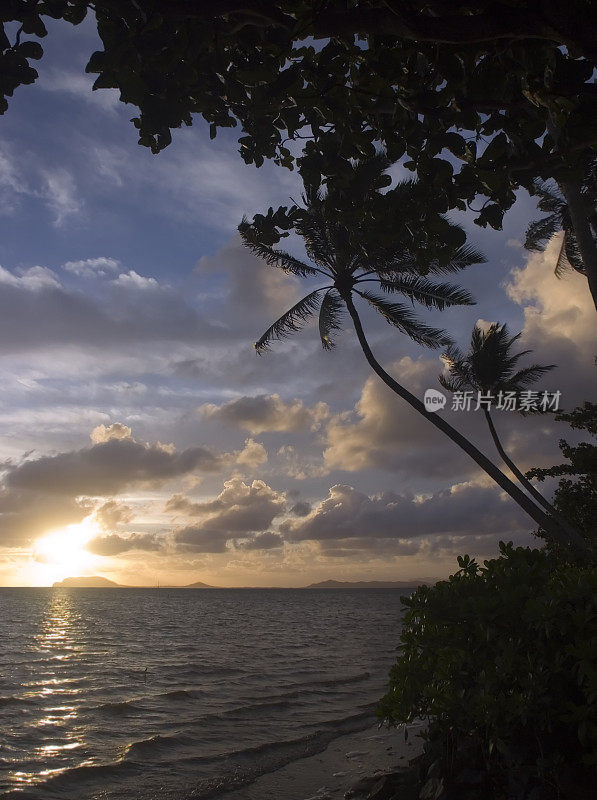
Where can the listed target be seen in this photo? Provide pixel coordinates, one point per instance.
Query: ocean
(169, 694)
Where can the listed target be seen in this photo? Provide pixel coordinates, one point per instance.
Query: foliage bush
(576, 495)
(501, 661)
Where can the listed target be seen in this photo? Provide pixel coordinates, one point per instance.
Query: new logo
(434, 400)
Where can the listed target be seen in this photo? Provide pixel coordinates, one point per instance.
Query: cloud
(33, 279)
(301, 509)
(120, 315)
(132, 280)
(79, 85)
(252, 455)
(51, 491)
(60, 194)
(109, 467)
(298, 465)
(114, 544)
(559, 322)
(390, 435)
(195, 181)
(464, 509)
(239, 508)
(256, 293)
(267, 413)
(103, 433)
(198, 539)
(26, 515)
(12, 181)
(262, 541)
(111, 514)
(92, 267)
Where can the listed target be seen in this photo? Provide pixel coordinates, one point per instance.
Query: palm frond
(451, 383)
(569, 257)
(291, 321)
(550, 197)
(281, 259)
(429, 294)
(573, 252)
(313, 229)
(458, 374)
(528, 375)
(401, 317)
(329, 317)
(392, 262)
(540, 231)
(465, 256)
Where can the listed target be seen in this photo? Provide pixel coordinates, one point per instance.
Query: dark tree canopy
(464, 90)
(478, 98)
(576, 495)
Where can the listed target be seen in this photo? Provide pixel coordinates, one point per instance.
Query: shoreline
(357, 758)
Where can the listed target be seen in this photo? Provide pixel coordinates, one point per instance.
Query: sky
(141, 437)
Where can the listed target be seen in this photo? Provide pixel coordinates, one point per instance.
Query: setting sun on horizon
(61, 553)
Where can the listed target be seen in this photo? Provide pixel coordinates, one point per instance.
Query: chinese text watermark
(523, 402)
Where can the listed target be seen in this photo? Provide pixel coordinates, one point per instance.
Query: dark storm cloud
(301, 509)
(385, 433)
(27, 515)
(44, 493)
(114, 544)
(201, 540)
(239, 507)
(349, 514)
(262, 541)
(267, 413)
(111, 514)
(256, 293)
(108, 467)
(129, 309)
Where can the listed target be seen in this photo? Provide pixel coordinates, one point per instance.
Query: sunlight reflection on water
(59, 631)
(113, 693)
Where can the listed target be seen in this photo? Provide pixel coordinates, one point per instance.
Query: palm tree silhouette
(490, 367)
(540, 231)
(394, 266)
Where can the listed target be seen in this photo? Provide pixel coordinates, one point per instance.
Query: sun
(61, 553)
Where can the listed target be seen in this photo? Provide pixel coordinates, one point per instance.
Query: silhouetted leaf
(401, 317)
(291, 321)
(329, 317)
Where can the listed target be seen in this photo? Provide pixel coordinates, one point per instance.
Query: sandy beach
(329, 775)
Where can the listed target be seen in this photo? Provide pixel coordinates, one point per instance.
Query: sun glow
(61, 553)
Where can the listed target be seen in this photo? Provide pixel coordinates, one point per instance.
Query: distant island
(366, 584)
(90, 582)
(196, 585)
(98, 582)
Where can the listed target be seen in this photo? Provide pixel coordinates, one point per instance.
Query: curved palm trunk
(524, 481)
(537, 514)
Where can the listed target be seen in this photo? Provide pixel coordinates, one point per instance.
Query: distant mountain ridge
(330, 584)
(88, 582)
(98, 582)
(196, 585)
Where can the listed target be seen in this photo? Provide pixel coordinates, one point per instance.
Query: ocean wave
(156, 745)
(13, 700)
(181, 694)
(246, 765)
(70, 781)
(116, 708)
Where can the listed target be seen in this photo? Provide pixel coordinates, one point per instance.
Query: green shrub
(501, 662)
